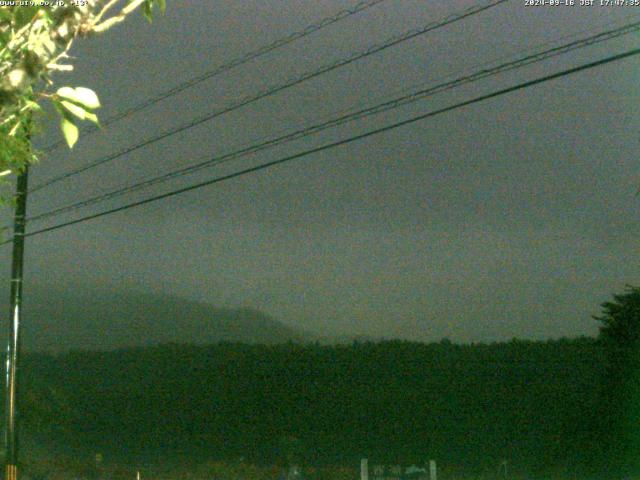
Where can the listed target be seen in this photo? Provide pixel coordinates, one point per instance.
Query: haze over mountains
(89, 317)
(57, 320)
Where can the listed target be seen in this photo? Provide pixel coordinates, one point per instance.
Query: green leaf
(14, 152)
(48, 44)
(92, 117)
(88, 97)
(76, 110)
(66, 108)
(70, 132)
(31, 105)
(162, 5)
(147, 10)
(80, 95)
(24, 15)
(5, 15)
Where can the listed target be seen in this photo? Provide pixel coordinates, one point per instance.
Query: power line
(381, 107)
(328, 146)
(281, 42)
(554, 41)
(278, 88)
(352, 116)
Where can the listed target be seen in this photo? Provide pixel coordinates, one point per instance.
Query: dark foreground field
(237, 411)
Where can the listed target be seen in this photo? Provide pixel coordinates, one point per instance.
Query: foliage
(467, 406)
(621, 319)
(34, 46)
(619, 396)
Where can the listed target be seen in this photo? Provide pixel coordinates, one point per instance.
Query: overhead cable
(236, 62)
(345, 141)
(362, 113)
(393, 41)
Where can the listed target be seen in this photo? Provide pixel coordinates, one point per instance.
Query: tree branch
(104, 10)
(107, 24)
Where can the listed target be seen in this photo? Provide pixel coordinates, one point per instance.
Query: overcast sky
(515, 217)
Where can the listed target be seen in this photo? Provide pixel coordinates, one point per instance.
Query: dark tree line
(618, 422)
(396, 401)
(555, 406)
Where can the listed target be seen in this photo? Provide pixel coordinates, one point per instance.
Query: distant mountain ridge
(58, 321)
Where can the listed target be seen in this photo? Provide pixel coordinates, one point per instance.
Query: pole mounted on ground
(13, 342)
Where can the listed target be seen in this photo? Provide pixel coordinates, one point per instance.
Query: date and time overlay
(581, 3)
(527, 3)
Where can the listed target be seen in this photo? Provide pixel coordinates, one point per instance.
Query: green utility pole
(13, 342)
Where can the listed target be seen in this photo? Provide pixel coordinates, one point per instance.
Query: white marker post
(364, 469)
(433, 474)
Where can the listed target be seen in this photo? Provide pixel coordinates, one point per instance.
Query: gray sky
(514, 217)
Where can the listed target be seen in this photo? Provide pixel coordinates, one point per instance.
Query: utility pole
(13, 342)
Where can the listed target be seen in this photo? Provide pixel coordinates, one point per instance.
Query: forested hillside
(58, 320)
(469, 406)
